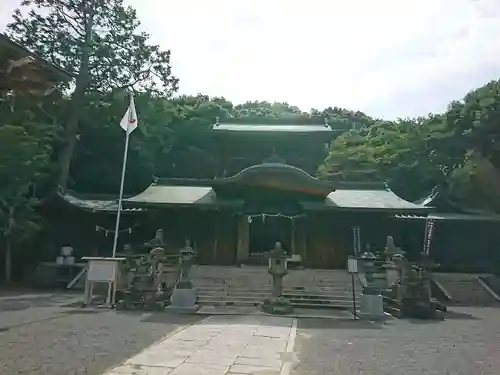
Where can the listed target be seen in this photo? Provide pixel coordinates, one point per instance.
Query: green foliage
(99, 40)
(24, 161)
(396, 152)
(119, 56)
(414, 155)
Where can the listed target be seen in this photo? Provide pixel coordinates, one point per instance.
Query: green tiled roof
(369, 199)
(273, 128)
(185, 195)
(92, 204)
(175, 195)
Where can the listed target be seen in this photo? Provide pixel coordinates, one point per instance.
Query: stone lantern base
(372, 307)
(183, 300)
(279, 305)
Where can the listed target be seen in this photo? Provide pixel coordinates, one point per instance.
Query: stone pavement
(219, 345)
(467, 342)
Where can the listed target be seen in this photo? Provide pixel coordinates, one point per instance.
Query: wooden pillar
(292, 243)
(216, 239)
(305, 231)
(243, 237)
(299, 238)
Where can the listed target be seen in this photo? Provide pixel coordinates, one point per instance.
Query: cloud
(390, 58)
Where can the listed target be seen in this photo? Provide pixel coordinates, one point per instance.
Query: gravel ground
(43, 335)
(466, 343)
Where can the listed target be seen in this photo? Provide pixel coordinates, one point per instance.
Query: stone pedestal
(183, 301)
(372, 307)
(391, 273)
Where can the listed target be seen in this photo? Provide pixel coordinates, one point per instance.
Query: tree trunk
(8, 260)
(77, 100)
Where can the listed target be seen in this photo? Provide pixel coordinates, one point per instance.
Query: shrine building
(254, 201)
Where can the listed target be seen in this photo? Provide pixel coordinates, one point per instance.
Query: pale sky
(388, 58)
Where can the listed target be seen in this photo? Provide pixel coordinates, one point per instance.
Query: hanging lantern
(263, 218)
(129, 230)
(249, 219)
(97, 228)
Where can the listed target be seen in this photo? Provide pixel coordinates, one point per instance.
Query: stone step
(269, 286)
(249, 286)
(304, 296)
(254, 302)
(288, 296)
(237, 298)
(291, 290)
(227, 303)
(291, 294)
(329, 305)
(319, 298)
(315, 293)
(466, 291)
(338, 289)
(394, 311)
(299, 299)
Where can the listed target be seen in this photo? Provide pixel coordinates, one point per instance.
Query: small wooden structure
(102, 270)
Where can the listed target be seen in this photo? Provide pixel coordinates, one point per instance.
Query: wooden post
(216, 239)
(292, 243)
(243, 233)
(305, 250)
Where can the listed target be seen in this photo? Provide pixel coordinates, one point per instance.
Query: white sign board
(102, 271)
(352, 265)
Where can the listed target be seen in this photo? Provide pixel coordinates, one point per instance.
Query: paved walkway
(219, 345)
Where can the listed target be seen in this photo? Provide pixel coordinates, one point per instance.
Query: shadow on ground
(26, 301)
(312, 323)
(458, 315)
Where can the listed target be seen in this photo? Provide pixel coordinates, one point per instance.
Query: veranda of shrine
(259, 198)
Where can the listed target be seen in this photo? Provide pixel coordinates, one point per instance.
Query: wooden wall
(212, 233)
(329, 238)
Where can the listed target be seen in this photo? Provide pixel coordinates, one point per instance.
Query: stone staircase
(250, 285)
(464, 289)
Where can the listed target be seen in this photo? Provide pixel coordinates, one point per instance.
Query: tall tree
(24, 160)
(99, 40)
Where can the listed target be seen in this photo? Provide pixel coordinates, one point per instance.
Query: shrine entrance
(266, 230)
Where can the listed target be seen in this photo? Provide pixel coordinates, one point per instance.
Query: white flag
(129, 120)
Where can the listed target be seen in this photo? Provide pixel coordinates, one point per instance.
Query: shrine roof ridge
(176, 181)
(359, 185)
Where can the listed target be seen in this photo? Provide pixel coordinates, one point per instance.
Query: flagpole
(122, 182)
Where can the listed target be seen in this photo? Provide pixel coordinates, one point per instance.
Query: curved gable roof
(278, 176)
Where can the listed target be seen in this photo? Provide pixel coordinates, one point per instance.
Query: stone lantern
(183, 297)
(392, 266)
(277, 269)
(186, 255)
(368, 266)
(372, 302)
